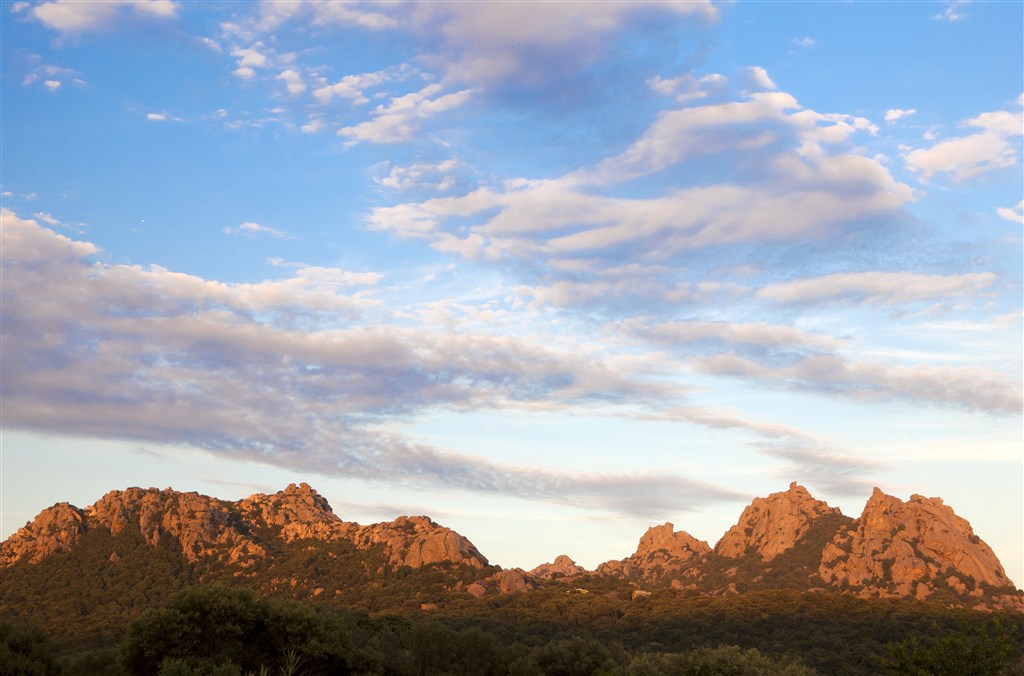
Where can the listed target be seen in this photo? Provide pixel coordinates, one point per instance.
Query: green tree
(26, 650)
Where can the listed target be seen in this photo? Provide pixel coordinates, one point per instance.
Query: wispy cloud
(403, 117)
(894, 114)
(1015, 214)
(975, 389)
(251, 228)
(154, 355)
(881, 288)
(953, 11)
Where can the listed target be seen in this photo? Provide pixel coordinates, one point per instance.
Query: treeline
(224, 631)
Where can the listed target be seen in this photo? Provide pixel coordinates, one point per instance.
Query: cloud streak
(152, 355)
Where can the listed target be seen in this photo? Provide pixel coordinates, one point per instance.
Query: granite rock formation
(772, 525)
(912, 548)
(661, 550)
(235, 532)
(562, 568)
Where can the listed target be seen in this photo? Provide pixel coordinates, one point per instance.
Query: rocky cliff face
(772, 525)
(55, 530)
(661, 550)
(235, 532)
(910, 548)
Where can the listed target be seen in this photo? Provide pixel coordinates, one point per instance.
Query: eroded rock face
(561, 568)
(55, 530)
(415, 541)
(907, 548)
(661, 550)
(205, 526)
(773, 524)
(227, 531)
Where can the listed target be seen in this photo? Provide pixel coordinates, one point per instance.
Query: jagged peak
(297, 503)
(899, 548)
(773, 525)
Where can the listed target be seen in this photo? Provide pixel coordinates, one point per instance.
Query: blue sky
(548, 272)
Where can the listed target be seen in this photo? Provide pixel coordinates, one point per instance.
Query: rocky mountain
(661, 551)
(236, 534)
(772, 525)
(292, 541)
(913, 548)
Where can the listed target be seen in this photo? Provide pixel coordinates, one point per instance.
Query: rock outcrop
(54, 530)
(910, 548)
(562, 568)
(416, 541)
(661, 550)
(503, 582)
(233, 532)
(772, 525)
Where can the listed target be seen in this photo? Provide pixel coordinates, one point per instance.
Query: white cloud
(974, 389)
(212, 44)
(351, 87)
(880, 288)
(154, 355)
(804, 186)
(250, 228)
(1015, 214)
(156, 117)
(403, 117)
(1001, 122)
(757, 335)
(272, 14)
(532, 43)
(436, 177)
(73, 17)
(292, 81)
(686, 87)
(894, 114)
(952, 11)
(351, 13)
(966, 157)
(50, 76)
(806, 41)
(313, 125)
(49, 219)
(759, 78)
(251, 58)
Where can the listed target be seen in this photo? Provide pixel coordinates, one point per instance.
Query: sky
(548, 272)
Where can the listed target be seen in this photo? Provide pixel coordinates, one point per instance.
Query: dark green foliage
(577, 657)
(972, 651)
(83, 597)
(209, 628)
(26, 650)
(327, 607)
(721, 660)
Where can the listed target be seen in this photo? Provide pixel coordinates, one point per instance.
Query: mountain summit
(772, 525)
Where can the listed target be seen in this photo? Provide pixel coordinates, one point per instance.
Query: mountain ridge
(917, 548)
